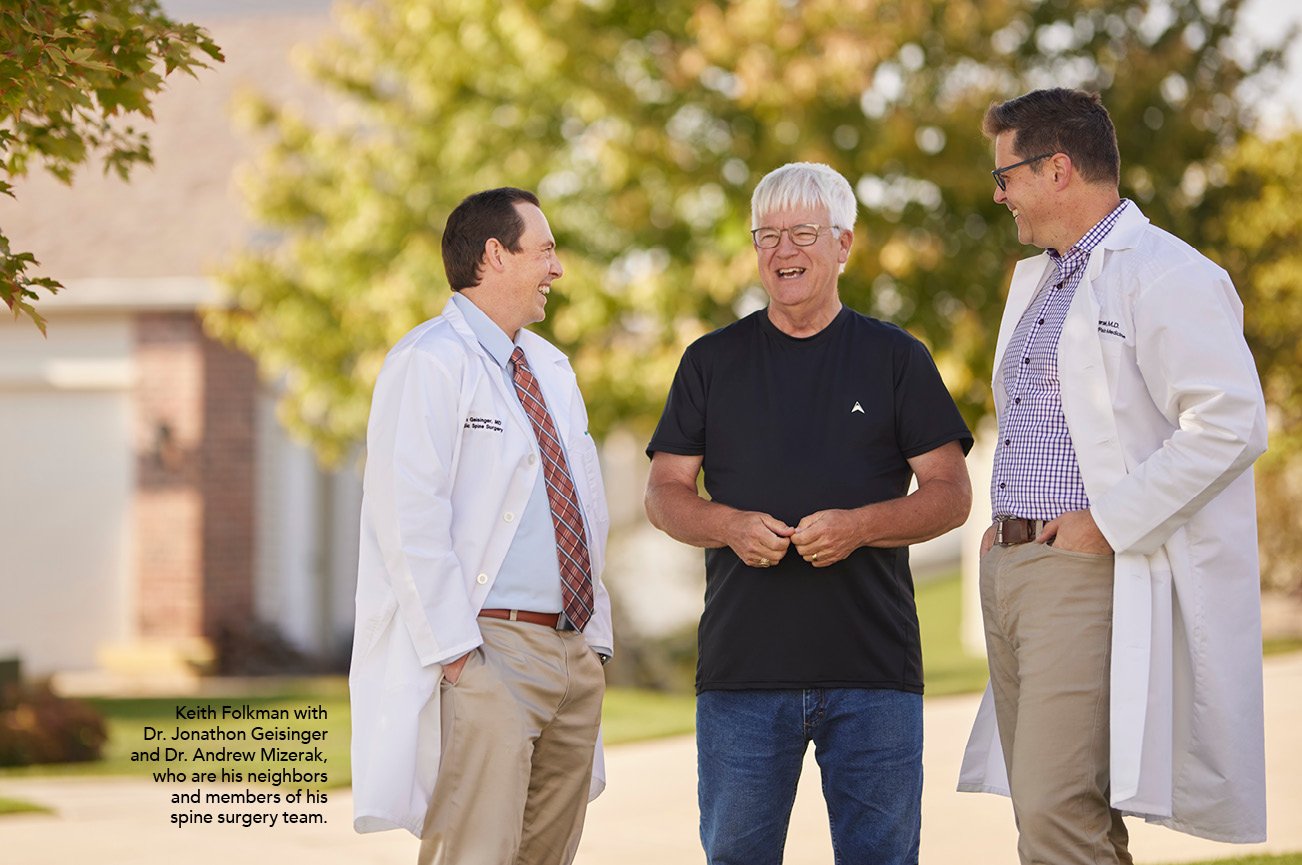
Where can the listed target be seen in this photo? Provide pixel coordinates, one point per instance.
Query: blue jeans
(868, 743)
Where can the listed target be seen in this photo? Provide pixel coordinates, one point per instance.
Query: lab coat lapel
(552, 369)
(1027, 276)
(543, 360)
(1086, 397)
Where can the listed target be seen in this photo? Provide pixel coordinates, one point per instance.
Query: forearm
(682, 514)
(934, 508)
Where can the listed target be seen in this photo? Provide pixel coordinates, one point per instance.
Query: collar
(1067, 263)
(491, 337)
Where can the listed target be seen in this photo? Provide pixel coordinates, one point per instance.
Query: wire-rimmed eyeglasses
(801, 235)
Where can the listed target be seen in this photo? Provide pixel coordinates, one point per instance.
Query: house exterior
(159, 521)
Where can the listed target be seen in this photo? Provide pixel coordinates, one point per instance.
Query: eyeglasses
(801, 235)
(999, 173)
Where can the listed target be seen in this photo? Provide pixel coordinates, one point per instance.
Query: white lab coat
(451, 462)
(1166, 415)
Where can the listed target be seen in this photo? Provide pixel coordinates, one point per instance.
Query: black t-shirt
(789, 426)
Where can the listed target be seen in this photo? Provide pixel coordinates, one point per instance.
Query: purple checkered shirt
(1036, 475)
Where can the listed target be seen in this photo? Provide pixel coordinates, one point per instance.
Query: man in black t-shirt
(809, 420)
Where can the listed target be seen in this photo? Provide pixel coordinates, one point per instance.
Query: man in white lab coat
(482, 623)
(1119, 580)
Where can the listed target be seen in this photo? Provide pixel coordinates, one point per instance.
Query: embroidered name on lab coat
(491, 424)
(1111, 328)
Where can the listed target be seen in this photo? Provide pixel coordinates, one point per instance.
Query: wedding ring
(814, 557)
(764, 563)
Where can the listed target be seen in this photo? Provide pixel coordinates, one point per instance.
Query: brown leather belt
(1015, 530)
(555, 621)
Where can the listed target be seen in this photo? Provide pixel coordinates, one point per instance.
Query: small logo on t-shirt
(857, 408)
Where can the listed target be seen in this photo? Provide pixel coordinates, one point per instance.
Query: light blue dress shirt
(530, 577)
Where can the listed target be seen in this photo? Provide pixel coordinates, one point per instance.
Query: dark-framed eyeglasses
(999, 173)
(801, 235)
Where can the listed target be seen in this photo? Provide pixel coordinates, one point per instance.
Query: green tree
(74, 74)
(1258, 238)
(644, 128)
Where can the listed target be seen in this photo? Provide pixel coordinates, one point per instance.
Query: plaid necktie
(567, 518)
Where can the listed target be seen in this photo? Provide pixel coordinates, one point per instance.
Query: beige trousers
(519, 729)
(1048, 623)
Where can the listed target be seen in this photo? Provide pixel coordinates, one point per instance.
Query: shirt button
(1041, 321)
(533, 458)
(1008, 441)
(481, 579)
(1026, 360)
(1017, 400)
(1001, 486)
(508, 516)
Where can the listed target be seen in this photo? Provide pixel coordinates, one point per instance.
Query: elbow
(651, 506)
(962, 502)
(961, 516)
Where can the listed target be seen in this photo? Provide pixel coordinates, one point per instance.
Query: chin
(791, 295)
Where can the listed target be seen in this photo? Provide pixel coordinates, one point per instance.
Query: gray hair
(804, 184)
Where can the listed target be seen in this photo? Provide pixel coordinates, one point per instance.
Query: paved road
(647, 816)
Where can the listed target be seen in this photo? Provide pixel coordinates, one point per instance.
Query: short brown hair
(1059, 120)
(484, 215)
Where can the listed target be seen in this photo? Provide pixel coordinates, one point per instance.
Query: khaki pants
(1048, 623)
(519, 729)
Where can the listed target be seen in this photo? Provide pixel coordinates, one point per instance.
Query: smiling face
(527, 275)
(1028, 194)
(801, 279)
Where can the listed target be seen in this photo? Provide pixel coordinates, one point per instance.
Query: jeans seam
(831, 824)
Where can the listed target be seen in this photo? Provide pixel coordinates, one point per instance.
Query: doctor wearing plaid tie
(482, 623)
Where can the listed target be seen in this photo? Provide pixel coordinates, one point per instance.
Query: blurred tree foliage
(1258, 238)
(73, 73)
(644, 127)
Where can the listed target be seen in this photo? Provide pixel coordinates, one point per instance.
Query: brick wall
(194, 490)
(226, 487)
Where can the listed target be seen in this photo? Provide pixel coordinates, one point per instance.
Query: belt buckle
(999, 530)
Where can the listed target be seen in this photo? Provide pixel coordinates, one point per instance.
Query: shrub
(38, 726)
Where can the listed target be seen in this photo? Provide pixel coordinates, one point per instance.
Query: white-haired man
(809, 420)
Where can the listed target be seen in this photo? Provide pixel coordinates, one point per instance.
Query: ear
(494, 256)
(1061, 170)
(846, 240)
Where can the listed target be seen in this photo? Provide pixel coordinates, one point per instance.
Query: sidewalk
(646, 817)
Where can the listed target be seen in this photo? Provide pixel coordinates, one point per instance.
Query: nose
(1000, 195)
(557, 269)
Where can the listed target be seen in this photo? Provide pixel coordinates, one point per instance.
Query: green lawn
(947, 667)
(1278, 859)
(631, 715)
(1281, 645)
(18, 806)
